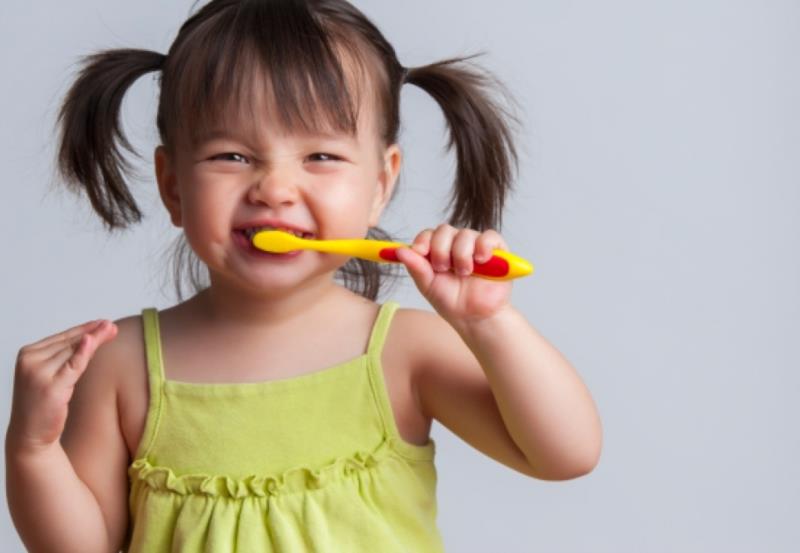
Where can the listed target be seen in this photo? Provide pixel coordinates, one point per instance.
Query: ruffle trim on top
(295, 479)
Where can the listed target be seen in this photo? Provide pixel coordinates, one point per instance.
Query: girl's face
(331, 186)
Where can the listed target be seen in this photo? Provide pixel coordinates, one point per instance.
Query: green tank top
(310, 463)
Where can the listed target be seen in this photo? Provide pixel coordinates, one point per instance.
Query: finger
(64, 350)
(102, 333)
(56, 363)
(45, 354)
(422, 242)
(417, 266)
(463, 249)
(74, 365)
(68, 339)
(68, 334)
(485, 245)
(441, 246)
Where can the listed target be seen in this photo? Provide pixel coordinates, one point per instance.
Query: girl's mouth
(241, 240)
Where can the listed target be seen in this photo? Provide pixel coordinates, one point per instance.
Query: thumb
(418, 266)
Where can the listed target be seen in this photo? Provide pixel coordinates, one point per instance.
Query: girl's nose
(273, 188)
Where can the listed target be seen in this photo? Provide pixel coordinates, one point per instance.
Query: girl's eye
(227, 155)
(232, 156)
(330, 157)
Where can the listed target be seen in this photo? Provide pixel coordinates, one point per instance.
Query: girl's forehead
(259, 116)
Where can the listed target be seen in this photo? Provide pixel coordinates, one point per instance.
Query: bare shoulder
(403, 338)
(130, 374)
(128, 353)
(425, 338)
(404, 356)
(427, 342)
(451, 387)
(408, 331)
(397, 360)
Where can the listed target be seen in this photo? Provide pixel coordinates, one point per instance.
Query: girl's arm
(504, 389)
(546, 407)
(487, 374)
(52, 509)
(68, 494)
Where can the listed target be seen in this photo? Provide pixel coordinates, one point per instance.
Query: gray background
(657, 198)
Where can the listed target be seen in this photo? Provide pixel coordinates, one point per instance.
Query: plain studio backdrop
(657, 198)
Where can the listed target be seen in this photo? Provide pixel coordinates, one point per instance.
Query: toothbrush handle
(501, 266)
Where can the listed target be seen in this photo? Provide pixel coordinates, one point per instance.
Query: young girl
(275, 409)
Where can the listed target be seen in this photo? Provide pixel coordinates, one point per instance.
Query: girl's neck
(232, 308)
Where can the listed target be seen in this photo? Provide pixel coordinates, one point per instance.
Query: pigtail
(480, 131)
(89, 158)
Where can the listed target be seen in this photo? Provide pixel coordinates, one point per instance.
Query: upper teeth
(251, 231)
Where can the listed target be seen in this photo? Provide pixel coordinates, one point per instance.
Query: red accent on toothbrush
(496, 266)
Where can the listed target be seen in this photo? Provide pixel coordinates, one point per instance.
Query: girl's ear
(168, 185)
(387, 178)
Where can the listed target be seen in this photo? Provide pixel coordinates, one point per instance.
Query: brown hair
(296, 48)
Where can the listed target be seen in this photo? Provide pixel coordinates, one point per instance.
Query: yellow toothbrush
(502, 265)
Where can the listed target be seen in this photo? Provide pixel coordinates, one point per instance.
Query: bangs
(256, 63)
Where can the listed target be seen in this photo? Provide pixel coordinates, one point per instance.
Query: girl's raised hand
(44, 380)
(457, 297)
